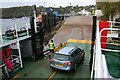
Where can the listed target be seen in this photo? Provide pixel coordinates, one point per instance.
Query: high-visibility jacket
(51, 45)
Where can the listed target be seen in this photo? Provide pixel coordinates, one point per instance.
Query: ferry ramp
(77, 31)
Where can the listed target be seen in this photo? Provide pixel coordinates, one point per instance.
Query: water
(11, 23)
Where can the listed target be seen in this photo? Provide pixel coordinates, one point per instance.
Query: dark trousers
(11, 74)
(51, 52)
(5, 76)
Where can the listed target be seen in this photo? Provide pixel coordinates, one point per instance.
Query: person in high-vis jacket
(51, 46)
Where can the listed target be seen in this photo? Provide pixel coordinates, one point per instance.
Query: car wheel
(83, 57)
(82, 60)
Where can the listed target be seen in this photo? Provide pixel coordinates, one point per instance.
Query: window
(80, 51)
(61, 57)
(73, 54)
(76, 52)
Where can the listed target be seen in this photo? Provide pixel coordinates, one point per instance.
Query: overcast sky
(47, 3)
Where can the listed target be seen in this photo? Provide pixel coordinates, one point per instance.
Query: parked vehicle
(67, 58)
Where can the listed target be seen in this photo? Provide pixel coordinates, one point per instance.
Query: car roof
(66, 50)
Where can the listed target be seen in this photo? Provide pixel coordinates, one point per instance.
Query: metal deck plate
(113, 61)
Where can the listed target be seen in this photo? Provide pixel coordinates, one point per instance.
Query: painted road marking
(80, 41)
(53, 32)
(52, 75)
(59, 46)
(18, 75)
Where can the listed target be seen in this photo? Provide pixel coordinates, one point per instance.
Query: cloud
(47, 3)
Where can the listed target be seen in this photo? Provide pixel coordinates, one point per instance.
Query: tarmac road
(75, 27)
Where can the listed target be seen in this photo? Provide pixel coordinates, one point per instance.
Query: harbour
(60, 46)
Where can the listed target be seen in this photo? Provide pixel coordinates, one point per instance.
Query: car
(67, 58)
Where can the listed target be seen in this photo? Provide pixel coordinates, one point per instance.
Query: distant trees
(60, 10)
(109, 8)
(17, 12)
(26, 11)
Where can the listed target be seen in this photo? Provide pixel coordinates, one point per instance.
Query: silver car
(67, 58)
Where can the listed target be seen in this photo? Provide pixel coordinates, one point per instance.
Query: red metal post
(103, 24)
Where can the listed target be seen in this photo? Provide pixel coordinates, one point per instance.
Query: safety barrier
(60, 46)
(113, 33)
(15, 60)
(100, 68)
(15, 31)
(98, 57)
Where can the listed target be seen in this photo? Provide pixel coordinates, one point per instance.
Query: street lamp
(54, 8)
(70, 4)
(70, 8)
(44, 7)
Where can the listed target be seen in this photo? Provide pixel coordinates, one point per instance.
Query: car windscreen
(61, 57)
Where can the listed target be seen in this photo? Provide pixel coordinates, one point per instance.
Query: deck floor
(113, 61)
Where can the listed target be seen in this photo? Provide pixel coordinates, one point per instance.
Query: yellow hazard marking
(80, 41)
(52, 75)
(53, 32)
(59, 46)
(18, 75)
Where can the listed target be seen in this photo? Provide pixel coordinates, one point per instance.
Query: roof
(65, 50)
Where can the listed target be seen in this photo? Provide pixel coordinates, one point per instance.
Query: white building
(84, 12)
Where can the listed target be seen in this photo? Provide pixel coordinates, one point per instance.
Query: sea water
(14, 23)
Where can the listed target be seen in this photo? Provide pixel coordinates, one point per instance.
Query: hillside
(17, 12)
(26, 11)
